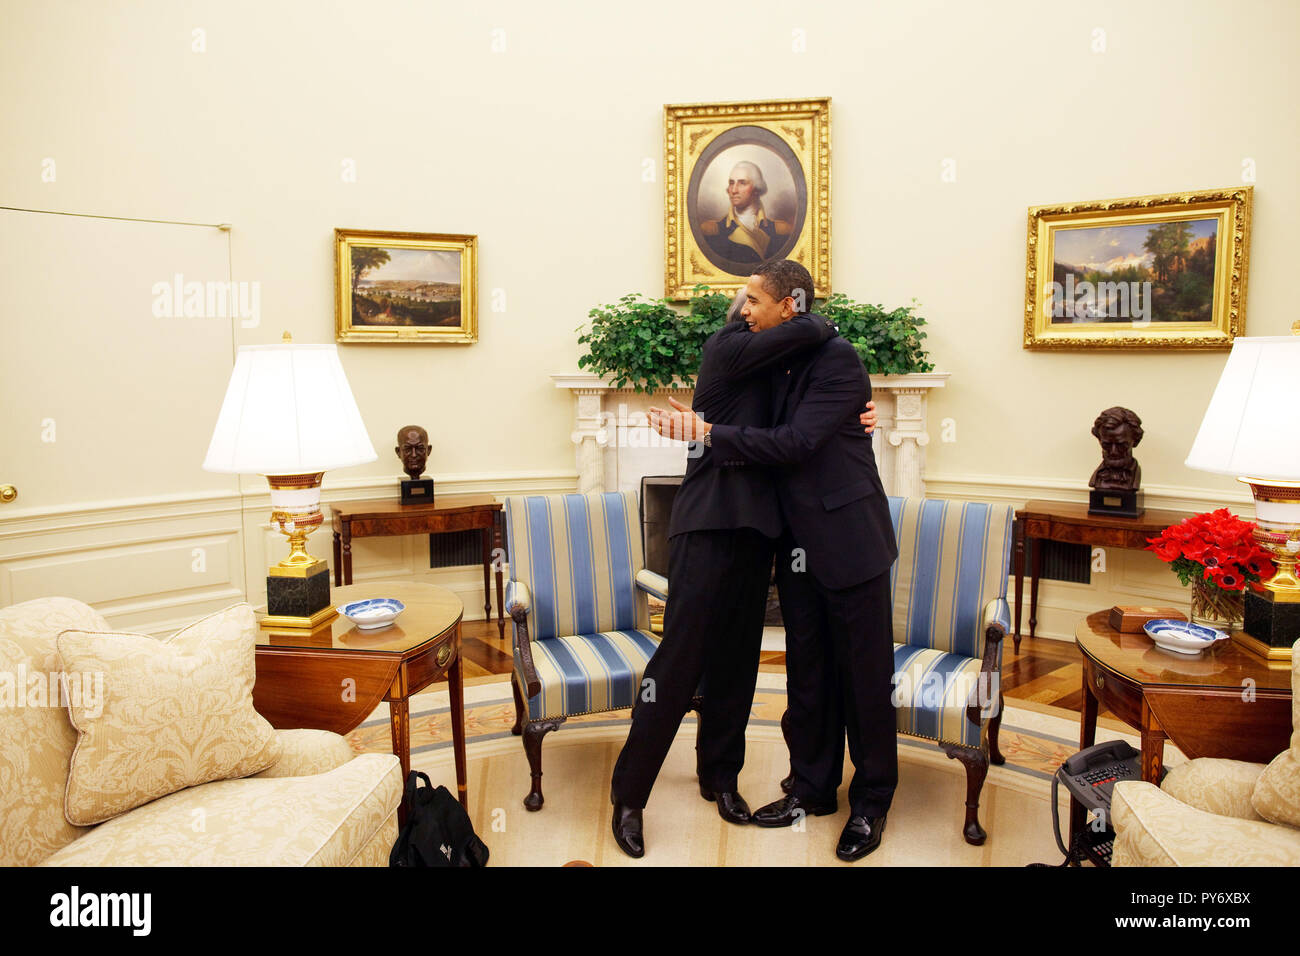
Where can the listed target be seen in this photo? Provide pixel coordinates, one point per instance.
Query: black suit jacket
(830, 493)
(733, 385)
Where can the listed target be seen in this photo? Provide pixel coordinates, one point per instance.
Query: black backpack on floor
(437, 831)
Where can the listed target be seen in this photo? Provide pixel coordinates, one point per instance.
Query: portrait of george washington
(747, 199)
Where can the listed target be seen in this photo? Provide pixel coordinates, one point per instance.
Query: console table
(1070, 522)
(364, 519)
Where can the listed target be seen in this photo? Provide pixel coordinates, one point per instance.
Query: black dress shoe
(787, 784)
(861, 835)
(731, 805)
(784, 812)
(627, 829)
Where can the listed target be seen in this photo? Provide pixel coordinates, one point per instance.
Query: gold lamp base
(298, 588)
(1272, 607)
(1257, 647)
(276, 621)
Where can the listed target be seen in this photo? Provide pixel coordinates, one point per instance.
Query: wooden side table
(365, 519)
(1223, 702)
(333, 677)
(1070, 522)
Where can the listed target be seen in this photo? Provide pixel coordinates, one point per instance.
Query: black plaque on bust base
(1273, 623)
(1117, 504)
(417, 491)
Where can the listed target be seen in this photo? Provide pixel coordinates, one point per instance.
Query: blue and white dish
(1182, 637)
(373, 612)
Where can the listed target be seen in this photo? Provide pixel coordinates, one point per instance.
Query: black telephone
(1091, 775)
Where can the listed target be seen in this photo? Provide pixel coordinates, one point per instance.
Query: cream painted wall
(539, 150)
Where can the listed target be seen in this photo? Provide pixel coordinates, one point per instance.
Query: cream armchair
(318, 805)
(1215, 812)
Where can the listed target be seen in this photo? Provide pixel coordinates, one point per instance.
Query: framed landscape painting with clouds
(405, 287)
(1148, 272)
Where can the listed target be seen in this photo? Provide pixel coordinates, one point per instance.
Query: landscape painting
(1148, 272)
(401, 287)
(1153, 273)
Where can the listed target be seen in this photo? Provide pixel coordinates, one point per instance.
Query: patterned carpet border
(1033, 752)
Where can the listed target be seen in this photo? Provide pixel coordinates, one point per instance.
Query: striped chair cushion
(952, 561)
(932, 690)
(588, 673)
(579, 555)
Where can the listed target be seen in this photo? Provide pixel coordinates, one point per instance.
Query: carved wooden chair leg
(521, 711)
(533, 734)
(995, 724)
(787, 785)
(977, 768)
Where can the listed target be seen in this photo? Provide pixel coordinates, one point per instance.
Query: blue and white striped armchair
(577, 597)
(949, 592)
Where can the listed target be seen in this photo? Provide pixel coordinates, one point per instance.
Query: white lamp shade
(288, 411)
(1252, 429)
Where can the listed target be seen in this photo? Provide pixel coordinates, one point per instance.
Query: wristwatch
(707, 440)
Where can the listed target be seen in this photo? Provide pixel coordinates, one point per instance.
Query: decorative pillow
(1277, 792)
(154, 717)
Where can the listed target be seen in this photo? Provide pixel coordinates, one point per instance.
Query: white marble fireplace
(615, 447)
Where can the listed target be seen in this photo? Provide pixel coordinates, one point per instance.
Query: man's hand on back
(868, 418)
(682, 424)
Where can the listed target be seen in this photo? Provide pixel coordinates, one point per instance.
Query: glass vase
(1215, 607)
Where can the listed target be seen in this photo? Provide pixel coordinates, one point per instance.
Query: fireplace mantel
(615, 447)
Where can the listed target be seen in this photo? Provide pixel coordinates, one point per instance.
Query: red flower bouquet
(1217, 547)
(1215, 552)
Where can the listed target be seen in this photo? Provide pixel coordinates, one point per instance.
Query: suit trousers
(839, 682)
(713, 632)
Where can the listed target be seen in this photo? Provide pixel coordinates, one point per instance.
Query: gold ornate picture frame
(745, 182)
(405, 287)
(1147, 272)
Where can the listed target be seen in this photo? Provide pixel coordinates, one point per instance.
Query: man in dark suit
(832, 567)
(721, 534)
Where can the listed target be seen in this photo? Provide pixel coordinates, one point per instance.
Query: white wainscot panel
(138, 581)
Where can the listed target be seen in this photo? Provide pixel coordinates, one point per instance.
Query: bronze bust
(413, 449)
(1119, 430)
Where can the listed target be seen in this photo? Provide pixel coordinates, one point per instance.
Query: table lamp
(290, 415)
(1252, 431)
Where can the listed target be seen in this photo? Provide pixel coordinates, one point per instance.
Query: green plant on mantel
(889, 343)
(650, 343)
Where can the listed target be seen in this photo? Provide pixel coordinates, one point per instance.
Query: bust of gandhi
(413, 449)
(1119, 431)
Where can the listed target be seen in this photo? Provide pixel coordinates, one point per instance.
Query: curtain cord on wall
(91, 215)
